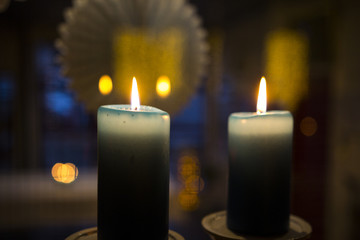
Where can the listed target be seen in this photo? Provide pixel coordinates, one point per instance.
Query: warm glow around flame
(261, 103)
(135, 100)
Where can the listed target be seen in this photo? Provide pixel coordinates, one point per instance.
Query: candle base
(258, 224)
(91, 234)
(215, 225)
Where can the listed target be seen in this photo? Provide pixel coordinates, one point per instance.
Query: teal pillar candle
(133, 172)
(260, 152)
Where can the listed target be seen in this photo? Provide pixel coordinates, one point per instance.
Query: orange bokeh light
(64, 173)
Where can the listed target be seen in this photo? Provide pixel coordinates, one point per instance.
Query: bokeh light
(192, 183)
(189, 201)
(147, 56)
(287, 67)
(308, 126)
(105, 85)
(163, 86)
(64, 173)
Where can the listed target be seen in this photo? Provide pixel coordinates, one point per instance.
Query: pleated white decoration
(124, 38)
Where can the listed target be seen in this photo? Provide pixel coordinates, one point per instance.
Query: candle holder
(91, 234)
(215, 225)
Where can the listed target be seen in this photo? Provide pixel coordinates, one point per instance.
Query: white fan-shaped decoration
(125, 38)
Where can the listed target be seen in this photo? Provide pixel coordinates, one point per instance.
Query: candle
(260, 149)
(133, 171)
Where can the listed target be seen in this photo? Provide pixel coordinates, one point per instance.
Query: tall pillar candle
(133, 172)
(260, 150)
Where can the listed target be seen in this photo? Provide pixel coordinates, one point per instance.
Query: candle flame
(261, 103)
(135, 100)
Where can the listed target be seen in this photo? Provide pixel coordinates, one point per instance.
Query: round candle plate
(215, 225)
(91, 234)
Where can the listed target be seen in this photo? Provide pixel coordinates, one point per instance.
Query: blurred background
(308, 50)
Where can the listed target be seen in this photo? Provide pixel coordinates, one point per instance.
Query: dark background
(42, 123)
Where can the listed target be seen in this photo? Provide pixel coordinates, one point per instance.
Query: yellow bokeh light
(105, 85)
(163, 86)
(64, 173)
(287, 67)
(188, 165)
(308, 126)
(147, 55)
(192, 183)
(188, 201)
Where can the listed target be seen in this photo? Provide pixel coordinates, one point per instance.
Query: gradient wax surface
(260, 149)
(133, 172)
